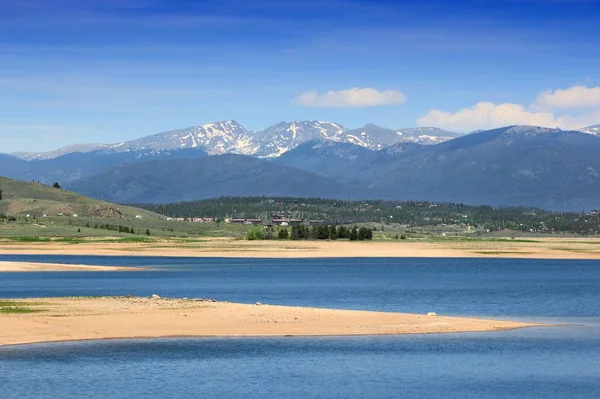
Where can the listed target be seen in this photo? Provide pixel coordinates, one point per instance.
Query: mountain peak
(284, 136)
(230, 137)
(232, 123)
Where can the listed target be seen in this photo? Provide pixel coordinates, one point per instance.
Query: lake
(554, 362)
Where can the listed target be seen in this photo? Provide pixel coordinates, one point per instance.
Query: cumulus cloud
(486, 115)
(350, 98)
(573, 97)
(543, 112)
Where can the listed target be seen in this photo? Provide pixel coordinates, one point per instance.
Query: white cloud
(486, 115)
(350, 98)
(573, 97)
(542, 112)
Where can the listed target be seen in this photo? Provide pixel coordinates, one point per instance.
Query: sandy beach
(66, 319)
(538, 248)
(56, 267)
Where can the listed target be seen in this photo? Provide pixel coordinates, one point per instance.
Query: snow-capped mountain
(376, 137)
(229, 137)
(426, 135)
(595, 130)
(512, 165)
(285, 136)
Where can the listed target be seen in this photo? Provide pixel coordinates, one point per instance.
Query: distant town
(274, 220)
(289, 211)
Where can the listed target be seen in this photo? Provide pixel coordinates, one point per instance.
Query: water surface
(532, 364)
(476, 287)
(556, 362)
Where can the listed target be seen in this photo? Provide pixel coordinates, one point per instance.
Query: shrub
(255, 234)
(283, 234)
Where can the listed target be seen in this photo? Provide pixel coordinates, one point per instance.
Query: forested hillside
(388, 212)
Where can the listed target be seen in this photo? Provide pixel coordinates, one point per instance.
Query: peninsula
(58, 267)
(38, 320)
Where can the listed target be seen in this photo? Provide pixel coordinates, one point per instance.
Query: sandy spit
(67, 319)
(56, 267)
(539, 248)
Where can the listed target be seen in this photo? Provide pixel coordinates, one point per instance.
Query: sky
(89, 71)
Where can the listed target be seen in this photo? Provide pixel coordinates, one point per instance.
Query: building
(286, 221)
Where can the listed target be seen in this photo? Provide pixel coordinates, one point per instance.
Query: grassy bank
(39, 229)
(10, 307)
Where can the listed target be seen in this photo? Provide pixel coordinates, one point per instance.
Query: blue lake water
(556, 362)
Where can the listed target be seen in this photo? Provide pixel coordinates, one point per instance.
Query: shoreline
(543, 248)
(19, 267)
(45, 320)
(174, 337)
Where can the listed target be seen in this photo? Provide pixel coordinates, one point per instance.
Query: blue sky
(74, 71)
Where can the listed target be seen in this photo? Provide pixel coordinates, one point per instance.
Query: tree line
(302, 232)
(409, 213)
(119, 228)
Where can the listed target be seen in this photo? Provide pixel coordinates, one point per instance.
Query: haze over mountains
(516, 165)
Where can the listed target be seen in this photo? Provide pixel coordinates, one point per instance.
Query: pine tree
(295, 233)
(354, 234)
(333, 233)
(283, 234)
(365, 234)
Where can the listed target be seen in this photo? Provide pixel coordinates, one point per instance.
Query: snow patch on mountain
(595, 130)
(229, 137)
(376, 137)
(284, 136)
(214, 138)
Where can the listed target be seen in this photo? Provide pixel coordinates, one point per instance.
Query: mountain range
(177, 180)
(229, 137)
(514, 165)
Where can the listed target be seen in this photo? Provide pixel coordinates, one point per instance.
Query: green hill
(35, 211)
(22, 198)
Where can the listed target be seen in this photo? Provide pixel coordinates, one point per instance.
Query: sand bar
(56, 267)
(66, 319)
(538, 248)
